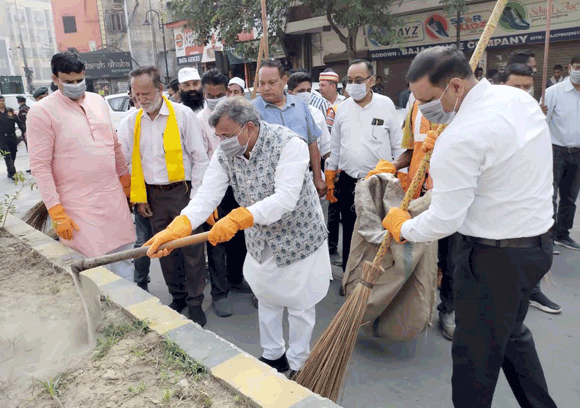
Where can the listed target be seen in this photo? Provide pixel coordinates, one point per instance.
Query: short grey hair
(238, 109)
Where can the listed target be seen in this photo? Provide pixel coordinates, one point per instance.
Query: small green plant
(207, 402)
(51, 386)
(238, 400)
(107, 300)
(138, 352)
(167, 394)
(179, 359)
(54, 290)
(7, 203)
(137, 389)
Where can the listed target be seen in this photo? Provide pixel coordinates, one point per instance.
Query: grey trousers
(183, 269)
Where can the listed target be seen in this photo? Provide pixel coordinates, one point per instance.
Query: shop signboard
(107, 64)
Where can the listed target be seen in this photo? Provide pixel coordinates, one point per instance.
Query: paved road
(415, 374)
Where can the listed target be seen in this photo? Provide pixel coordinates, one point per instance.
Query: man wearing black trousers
(492, 184)
(8, 140)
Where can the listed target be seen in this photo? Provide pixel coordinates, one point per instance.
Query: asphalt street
(413, 374)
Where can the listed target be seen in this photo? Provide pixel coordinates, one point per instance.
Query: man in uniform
(8, 141)
(492, 183)
(40, 93)
(163, 145)
(287, 264)
(79, 166)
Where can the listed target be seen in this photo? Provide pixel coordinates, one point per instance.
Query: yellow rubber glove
(383, 166)
(180, 227)
(394, 221)
(330, 175)
(61, 222)
(126, 183)
(213, 217)
(226, 228)
(429, 142)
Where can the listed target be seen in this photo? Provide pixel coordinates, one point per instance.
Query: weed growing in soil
(113, 333)
(107, 300)
(179, 359)
(51, 386)
(138, 389)
(207, 402)
(7, 203)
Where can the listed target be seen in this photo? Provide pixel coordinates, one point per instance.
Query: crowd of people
(273, 178)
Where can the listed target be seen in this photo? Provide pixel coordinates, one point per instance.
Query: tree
(455, 8)
(229, 18)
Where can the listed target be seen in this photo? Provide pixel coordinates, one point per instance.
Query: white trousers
(124, 269)
(301, 322)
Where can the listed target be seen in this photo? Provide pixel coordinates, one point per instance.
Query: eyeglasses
(357, 81)
(222, 137)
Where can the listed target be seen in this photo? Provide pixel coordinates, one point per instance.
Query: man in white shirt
(165, 173)
(287, 264)
(365, 130)
(563, 103)
(492, 183)
(225, 260)
(557, 77)
(328, 82)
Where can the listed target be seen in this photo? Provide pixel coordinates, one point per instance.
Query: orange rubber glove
(213, 217)
(126, 183)
(180, 227)
(330, 175)
(383, 166)
(394, 221)
(226, 228)
(429, 142)
(61, 222)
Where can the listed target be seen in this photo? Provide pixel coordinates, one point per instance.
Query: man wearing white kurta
(287, 265)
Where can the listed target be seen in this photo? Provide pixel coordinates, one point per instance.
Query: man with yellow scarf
(163, 144)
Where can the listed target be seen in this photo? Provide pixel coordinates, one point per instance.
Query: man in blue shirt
(276, 106)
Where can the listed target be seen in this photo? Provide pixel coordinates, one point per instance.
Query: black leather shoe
(280, 364)
(197, 314)
(243, 287)
(145, 287)
(178, 305)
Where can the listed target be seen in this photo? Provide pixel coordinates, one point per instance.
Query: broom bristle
(324, 370)
(37, 217)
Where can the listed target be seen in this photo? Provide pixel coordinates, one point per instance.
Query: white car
(11, 101)
(118, 107)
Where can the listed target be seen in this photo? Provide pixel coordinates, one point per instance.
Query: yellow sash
(173, 155)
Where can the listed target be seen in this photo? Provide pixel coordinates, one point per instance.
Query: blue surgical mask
(74, 91)
(232, 147)
(433, 111)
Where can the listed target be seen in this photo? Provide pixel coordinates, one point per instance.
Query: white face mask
(212, 103)
(304, 97)
(357, 91)
(74, 91)
(433, 111)
(232, 147)
(575, 76)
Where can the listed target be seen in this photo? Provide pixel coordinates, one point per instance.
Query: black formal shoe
(541, 301)
(243, 287)
(341, 291)
(29, 171)
(223, 307)
(255, 301)
(144, 286)
(178, 305)
(197, 314)
(281, 364)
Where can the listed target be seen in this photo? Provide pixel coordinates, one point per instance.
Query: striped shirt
(317, 101)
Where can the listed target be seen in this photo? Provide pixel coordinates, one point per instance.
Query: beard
(192, 99)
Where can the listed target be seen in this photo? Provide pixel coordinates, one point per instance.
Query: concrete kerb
(259, 384)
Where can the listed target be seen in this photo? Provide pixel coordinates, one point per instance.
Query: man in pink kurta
(78, 162)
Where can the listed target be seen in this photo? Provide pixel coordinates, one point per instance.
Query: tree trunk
(351, 44)
(458, 41)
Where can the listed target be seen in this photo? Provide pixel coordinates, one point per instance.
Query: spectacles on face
(357, 81)
(223, 137)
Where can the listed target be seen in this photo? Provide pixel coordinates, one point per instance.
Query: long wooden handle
(89, 263)
(424, 166)
(546, 50)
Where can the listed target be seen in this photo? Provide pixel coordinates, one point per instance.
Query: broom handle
(546, 51)
(89, 263)
(422, 170)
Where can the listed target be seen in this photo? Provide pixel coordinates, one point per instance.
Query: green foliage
(137, 389)
(179, 359)
(113, 333)
(52, 386)
(7, 203)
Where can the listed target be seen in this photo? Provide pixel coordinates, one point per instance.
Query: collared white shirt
(362, 136)
(324, 139)
(339, 99)
(289, 177)
(210, 141)
(563, 102)
(491, 170)
(195, 160)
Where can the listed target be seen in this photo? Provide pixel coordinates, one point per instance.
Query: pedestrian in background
(8, 140)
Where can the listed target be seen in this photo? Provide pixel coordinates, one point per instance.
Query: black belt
(167, 187)
(528, 242)
(567, 149)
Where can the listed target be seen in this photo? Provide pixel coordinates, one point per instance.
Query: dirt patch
(46, 361)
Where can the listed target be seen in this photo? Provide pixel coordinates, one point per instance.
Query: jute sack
(402, 302)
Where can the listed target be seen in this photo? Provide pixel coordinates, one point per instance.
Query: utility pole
(27, 71)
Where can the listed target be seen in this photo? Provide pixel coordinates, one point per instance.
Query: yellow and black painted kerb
(241, 372)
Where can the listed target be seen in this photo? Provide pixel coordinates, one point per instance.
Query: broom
(324, 370)
(37, 217)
